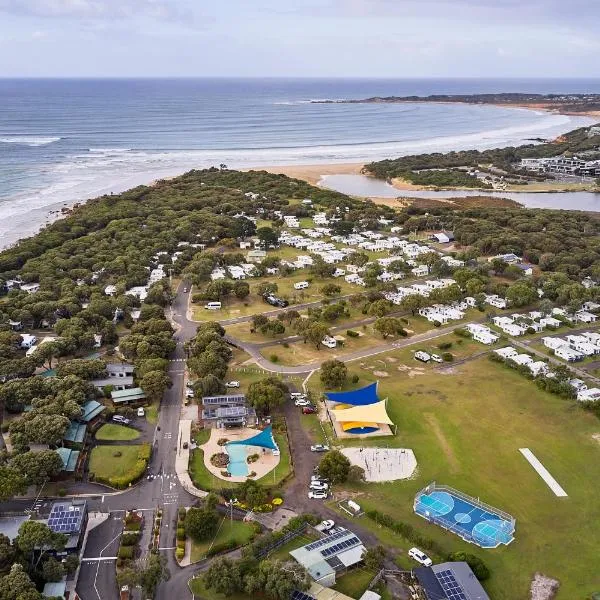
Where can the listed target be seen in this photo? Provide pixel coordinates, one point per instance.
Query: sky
(300, 38)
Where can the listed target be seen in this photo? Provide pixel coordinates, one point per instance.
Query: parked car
(422, 356)
(436, 358)
(302, 402)
(318, 485)
(141, 412)
(317, 495)
(121, 419)
(232, 384)
(294, 395)
(185, 290)
(309, 410)
(319, 478)
(327, 525)
(189, 393)
(319, 448)
(420, 557)
(275, 301)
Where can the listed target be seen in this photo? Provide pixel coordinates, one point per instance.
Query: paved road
(254, 351)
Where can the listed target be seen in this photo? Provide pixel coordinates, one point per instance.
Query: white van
(301, 285)
(213, 306)
(329, 342)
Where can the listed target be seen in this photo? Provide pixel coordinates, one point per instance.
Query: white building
(506, 352)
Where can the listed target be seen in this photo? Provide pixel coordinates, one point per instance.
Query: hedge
(179, 553)
(180, 533)
(406, 531)
(129, 539)
(133, 526)
(126, 552)
(223, 547)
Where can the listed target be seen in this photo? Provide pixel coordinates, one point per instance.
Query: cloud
(95, 9)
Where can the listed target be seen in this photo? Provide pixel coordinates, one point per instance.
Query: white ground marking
(542, 472)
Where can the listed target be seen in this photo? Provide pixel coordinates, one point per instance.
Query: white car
(319, 448)
(318, 478)
(294, 395)
(189, 393)
(141, 412)
(420, 557)
(436, 358)
(232, 384)
(317, 495)
(121, 419)
(318, 485)
(327, 525)
(302, 402)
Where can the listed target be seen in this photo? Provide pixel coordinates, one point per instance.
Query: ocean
(63, 141)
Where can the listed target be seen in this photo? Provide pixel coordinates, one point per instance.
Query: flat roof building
(126, 396)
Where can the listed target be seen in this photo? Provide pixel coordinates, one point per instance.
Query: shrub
(437, 324)
(351, 333)
(179, 553)
(181, 533)
(354, 378)
(62, 492)
(181, 513)
(285, 345)
(277, 501)
(406, 530)
(221, 442)
(477, 565)
(463, 333)
(181, 544)
(133, 526)
(129, 539)
(448, 356)
(126, 552)
(223, 547)
(445, 345)
(274, 358)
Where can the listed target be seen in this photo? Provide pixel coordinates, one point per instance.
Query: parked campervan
(213, 306)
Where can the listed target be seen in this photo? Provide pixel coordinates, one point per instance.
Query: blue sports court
(467, 517)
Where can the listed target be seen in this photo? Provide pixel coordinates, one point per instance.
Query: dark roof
(450, 581)
(428, 581)
(75, 433)
(90, 410)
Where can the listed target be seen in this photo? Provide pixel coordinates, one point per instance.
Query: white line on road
(99, 558)
(98, 563)
(543, 472)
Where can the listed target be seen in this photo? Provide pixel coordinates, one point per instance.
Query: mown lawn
(354, 583)
(116, 433)
(117, 462)
(229, 530)
(466, 426)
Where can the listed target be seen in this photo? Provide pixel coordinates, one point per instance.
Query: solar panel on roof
(327, 540)
(344, 545)
(451, 587)
(297, 595)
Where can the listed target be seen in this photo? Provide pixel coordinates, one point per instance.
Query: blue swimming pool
(468, 518)
(238, 465)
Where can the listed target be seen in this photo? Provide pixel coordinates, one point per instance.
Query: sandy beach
(312, 173)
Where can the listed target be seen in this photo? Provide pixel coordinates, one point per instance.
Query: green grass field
(116, 433)
(466, 426)
(239, 531)
(116, 462)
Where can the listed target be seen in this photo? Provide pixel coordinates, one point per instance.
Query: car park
(302, 402)
(436, 358)
(121, 419)
(420, 557)
(317, 495)
(232, 384)
(319, 448)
